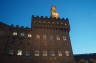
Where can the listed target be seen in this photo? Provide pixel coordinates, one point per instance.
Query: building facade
(85, 58)
(47, 41)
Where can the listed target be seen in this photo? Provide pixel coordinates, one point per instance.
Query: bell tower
(54, 40)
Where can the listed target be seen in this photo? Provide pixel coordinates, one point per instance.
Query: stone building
(47, 41)
(85, 58)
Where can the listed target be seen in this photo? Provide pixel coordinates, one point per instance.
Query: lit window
(64, 38)
(27, 53)
(59, 53)
(38, 36)
(53, 22)
(11, 52)
(67, 53)
(57, 37)
(36, 53)
(29, 35)
(14, 33)
(51, 53)
(22, 34)
(61, 22)
(48, 22)
(19, 52)
(44, 37)
(44, 53)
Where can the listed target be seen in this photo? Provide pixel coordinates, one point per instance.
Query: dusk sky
(81, 14)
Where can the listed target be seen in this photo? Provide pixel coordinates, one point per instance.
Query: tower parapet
(49, 22)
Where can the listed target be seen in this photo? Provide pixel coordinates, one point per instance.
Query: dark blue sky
(81, 13)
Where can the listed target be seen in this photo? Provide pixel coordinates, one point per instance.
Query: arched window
(67, 53)
(44, 53)
(15, 33)
(36, 53)
(29, 35)
(60, 53)
(19, 52)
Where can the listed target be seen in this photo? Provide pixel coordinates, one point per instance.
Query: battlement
(47, 18)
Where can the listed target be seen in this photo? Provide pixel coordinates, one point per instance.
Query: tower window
(44, 53)
(57, 38)
(53, 22)
(19, 52)
(48, 22)
(67, 53)
(38, 36)
(29, 35)
(22, 34)
(61, 22)
(14, 33)
(64, 38)
(59, 53)
(37, 53)
(44, 37)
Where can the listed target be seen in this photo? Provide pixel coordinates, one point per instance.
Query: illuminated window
(38, 36)
(22, 34)
(37, 53)
(61, 22)
(19, 52)
(53, 22)
(11, 52)
(67, 53)
(48, 22)
(44, 53)
(51, 53)
(57, 38)
(28, 53)
(14, 33)
(44, 37)
(59, 53)
(29, 35)
(64, 38)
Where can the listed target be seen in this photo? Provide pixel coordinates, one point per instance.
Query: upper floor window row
(39, 53)
(44, 36)
(48, 22)
(22, 34)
